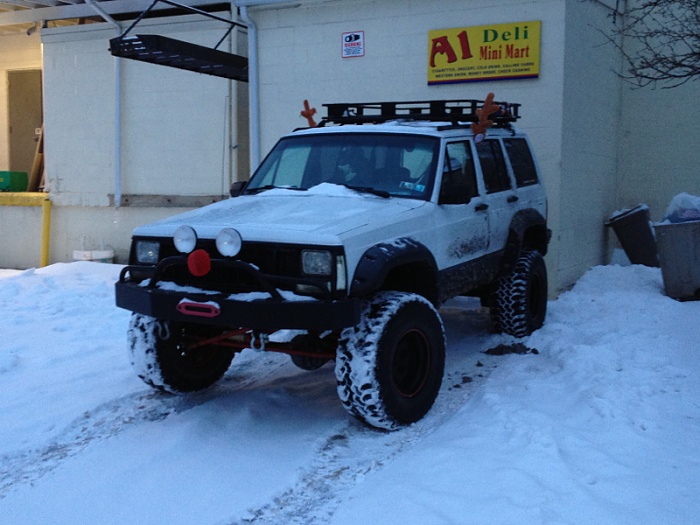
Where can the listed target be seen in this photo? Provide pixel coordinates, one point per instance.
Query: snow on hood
(321, 215)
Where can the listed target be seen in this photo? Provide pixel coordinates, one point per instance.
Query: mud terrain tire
(160, 357)
(519, 300)
(389, 366)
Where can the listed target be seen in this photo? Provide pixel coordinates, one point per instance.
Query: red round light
(199, 263)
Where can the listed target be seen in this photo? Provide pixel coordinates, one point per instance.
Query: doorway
(25, 116)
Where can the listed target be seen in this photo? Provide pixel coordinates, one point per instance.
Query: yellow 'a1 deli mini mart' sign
(492, 52)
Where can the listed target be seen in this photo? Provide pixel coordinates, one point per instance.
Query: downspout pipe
(117, 107)
(253, 68)
(253, 89)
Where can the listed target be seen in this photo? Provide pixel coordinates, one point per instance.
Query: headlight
(315, 262)
(147, 252)
(229, 242)
(185, 239)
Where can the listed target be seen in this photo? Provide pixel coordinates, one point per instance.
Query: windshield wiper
(253, 191)
(366, 189)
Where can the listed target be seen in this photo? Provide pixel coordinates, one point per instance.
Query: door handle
(513, 198)
(481, 207)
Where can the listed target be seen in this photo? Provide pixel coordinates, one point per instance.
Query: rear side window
(493, 166)
(521, 161)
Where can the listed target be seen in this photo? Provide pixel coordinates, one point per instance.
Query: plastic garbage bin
(634, 231)
(679, 254)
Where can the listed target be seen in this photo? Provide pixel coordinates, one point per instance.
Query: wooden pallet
(36, 175)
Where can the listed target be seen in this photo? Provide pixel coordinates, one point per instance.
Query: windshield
(384, 164)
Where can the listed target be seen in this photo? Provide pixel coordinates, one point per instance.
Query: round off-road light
(185, 239)
(229, 242)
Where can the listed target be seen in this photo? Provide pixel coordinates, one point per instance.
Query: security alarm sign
(354, 44)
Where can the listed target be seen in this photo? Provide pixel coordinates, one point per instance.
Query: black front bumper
(269, 313)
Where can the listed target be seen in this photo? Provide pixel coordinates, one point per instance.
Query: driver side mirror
(237, 188)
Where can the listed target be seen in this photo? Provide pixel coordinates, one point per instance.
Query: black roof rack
(170, 52)
(453, 111)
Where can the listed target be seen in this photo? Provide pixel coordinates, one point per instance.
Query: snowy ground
(601, 425)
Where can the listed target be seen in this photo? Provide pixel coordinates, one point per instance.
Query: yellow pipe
(45, 231)
(22, 199)
(34, 199)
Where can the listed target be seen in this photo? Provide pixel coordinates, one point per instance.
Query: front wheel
(389, 366)
(163, 355)
(519, 300)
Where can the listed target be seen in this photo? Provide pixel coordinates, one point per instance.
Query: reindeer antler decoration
(308, 113)
(479, 128)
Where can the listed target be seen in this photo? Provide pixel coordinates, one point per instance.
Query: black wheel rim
(411, 363)
(197, 360)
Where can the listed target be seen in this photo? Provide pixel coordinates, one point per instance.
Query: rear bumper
(250, 311)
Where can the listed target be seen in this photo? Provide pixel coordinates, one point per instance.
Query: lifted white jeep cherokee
(351, 234)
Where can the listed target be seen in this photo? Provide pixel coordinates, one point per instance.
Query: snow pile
(600, 425)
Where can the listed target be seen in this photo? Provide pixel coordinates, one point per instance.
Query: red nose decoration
(199, 263)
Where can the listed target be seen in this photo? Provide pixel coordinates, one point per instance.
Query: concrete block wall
(659, 146)
(596, 144)
(590, 133)
(176, 135)
(20, 226)
(601, 145)
(300, 58)
(20, 236)
(181, 136)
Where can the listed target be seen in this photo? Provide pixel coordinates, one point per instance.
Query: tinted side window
(493, 166)
(521, 161)
(458, 175)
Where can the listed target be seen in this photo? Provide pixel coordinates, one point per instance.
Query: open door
(25, 116)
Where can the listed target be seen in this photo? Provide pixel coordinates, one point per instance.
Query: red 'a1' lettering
(464, 42)
(441, 46)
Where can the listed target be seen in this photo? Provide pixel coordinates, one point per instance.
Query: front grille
(280, 261)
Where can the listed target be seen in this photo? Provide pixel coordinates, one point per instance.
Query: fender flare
(527, 228)
(378, 261)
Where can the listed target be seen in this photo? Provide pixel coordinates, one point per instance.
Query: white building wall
(175, 124)
(659, 146)
(601, 145)
(20, 226)
(179, 136)
(590, 134)
(300, 58)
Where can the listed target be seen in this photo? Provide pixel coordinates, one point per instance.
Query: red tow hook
(199, 263)
(209, 309)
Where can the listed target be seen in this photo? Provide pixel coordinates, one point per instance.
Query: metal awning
(170, 52)
(17, 16)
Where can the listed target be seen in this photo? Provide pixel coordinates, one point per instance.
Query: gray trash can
(634, 231)
(679, 254)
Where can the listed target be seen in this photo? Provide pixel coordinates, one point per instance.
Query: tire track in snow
(354, 451)
(110, 418)
(102, 422)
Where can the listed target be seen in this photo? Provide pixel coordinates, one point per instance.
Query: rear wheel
(163, 356)
(389, 367)
(519, 300)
